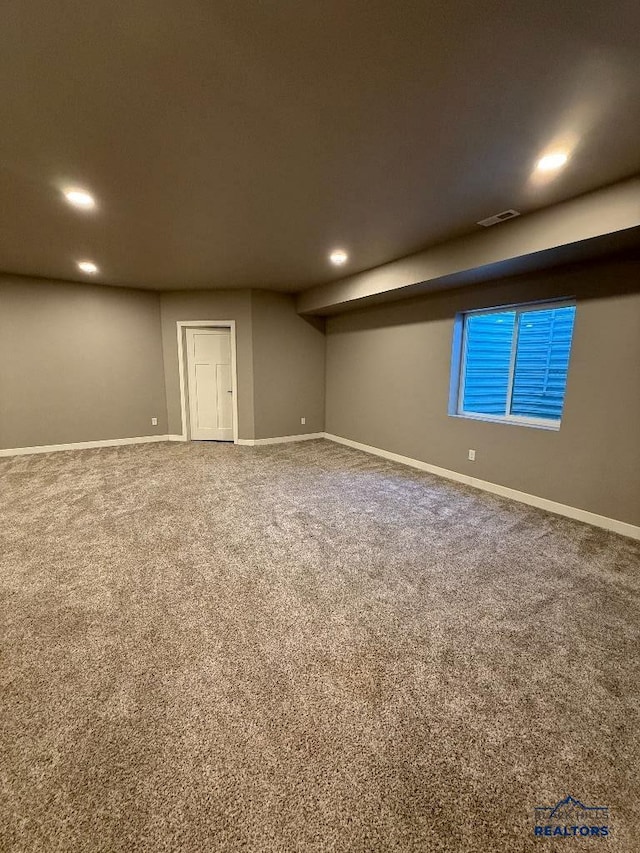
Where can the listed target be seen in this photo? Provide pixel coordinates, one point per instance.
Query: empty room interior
(319, 426)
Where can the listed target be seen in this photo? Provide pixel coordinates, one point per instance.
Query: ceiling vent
(499, 217)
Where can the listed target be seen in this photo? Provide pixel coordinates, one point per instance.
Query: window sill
(553, 426)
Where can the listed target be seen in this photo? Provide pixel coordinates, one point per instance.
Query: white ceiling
(234, 143)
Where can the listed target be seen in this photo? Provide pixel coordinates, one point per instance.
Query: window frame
(459, 363)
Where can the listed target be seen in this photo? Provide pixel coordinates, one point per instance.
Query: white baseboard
(622, 527)
(83, 445)
(593, 518)
(281, 439)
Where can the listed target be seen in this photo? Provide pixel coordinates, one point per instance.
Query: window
(511, 364)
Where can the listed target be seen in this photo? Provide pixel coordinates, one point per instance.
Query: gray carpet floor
(304, 648)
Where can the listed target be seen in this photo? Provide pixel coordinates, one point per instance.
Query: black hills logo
(571, 818)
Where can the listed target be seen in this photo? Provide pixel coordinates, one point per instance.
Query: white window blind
(515, 363)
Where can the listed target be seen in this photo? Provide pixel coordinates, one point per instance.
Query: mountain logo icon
(570, 804)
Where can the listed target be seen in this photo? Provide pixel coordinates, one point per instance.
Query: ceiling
(232, 143)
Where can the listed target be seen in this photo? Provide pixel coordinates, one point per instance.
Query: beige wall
(81, 362)
(78, 362)
(208, 305)
(288, 367)
(388, 371)
(280, 358)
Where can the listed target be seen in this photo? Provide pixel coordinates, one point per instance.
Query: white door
(210, 391)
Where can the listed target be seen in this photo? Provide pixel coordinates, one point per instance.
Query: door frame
(181, 327)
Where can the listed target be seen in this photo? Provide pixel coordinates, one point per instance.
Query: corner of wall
(289, 367)
(162, 359)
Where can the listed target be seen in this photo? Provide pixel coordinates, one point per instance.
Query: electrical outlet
(154, 422)
(472, 456)
(303, 420)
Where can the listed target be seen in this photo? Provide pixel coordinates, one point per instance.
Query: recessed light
(338, 257)
(80, 198)
(552, 162)
(88, 267)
